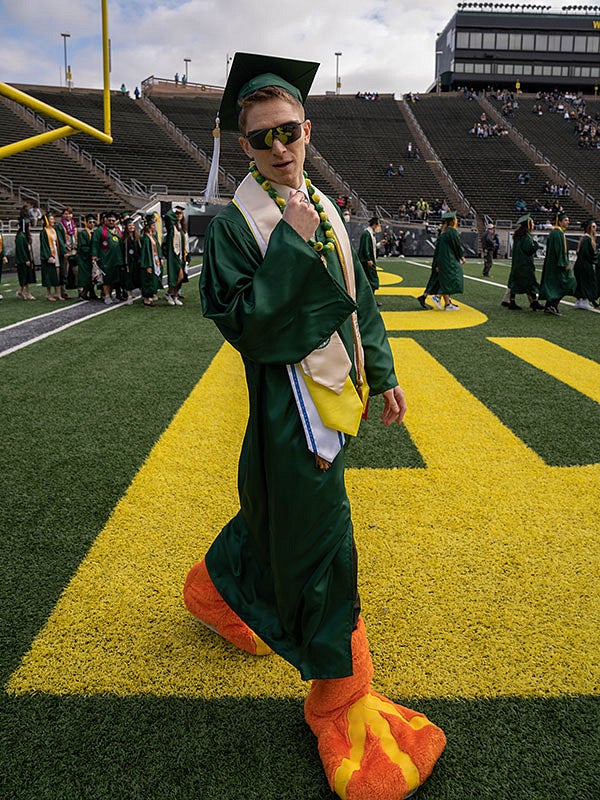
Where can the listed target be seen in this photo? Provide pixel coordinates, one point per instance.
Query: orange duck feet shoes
(371, 748)
(204, 601)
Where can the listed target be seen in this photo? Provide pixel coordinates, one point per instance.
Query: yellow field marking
(388, 278)
(581, 373)
(479, 574)
(434, 320)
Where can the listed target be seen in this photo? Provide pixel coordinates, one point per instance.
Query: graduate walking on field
(24, 260)
(558, 279)
(51, 253)
(283, 285)
(446, 269)
(586, 290)
(367, 252)
(174, 253)
(522, 278)
(150, 263)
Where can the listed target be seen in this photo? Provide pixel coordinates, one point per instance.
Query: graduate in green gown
(522, 278)
(285, 288)
(446, 269)
(3, 258)
(85, 283)
(174, 253)
(557, 273)
(51, 253)
(584, 270)
(150, 262)
(107, 254)
(132, 248)
(24, 260)
(367, 252)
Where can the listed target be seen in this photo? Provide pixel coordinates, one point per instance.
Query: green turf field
(476, 523)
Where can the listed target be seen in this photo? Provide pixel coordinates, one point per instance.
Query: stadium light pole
(65, 37)
(338, 85)
(187, 61)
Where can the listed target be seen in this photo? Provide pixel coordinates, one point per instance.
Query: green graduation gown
(24, 260)
(522, 279)
(106, 247)
(51, 273)
(173, 248)
(84, 259)
(446, 268)
(150, 282)
(366, 253)
(584, 270)
(557, 275)
(285, 562)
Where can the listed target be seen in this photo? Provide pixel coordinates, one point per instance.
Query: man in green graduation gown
(557, 273)
(367, 252)
(285, 288)
(174, 253)
(107, 253)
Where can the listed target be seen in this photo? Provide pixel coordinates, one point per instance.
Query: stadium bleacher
(485, 169)
(554, 137)
(46, 172)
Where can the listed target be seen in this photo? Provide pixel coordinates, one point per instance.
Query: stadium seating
(47, 172)
(553, 136)
(359, 138)
(485, 170)
(140, 150)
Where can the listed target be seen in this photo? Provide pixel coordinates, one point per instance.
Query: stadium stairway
(554, 138)
(46, 176)
(359, 138)
(485, 170)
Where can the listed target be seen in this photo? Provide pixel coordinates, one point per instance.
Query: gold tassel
(321, 463)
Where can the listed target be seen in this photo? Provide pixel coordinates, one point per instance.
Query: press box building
(537, 47)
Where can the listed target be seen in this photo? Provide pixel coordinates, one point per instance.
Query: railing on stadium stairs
(459, 195)
(334, 177)
(227, 179)
(584, 197)
(77, 153)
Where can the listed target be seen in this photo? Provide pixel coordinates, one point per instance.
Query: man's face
(111, 222)
(564, 223)
(282, 163)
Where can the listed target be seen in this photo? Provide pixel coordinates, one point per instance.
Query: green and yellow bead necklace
(325, 225)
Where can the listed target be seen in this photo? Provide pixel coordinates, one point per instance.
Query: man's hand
(395, 406)
(301, 215)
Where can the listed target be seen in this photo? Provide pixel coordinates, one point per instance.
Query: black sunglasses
(286, 133)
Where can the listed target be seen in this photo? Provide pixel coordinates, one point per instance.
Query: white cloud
(386, 46)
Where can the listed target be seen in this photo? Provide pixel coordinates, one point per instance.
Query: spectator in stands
(151, 262)
(390, 170)
(51, 254)
(107, 254)
(488, 245)
(85, 281)
(183, 81)
(522, 278)
(24, 260)
(123, 90)
(409, 150)
(136, 93)
(3, 259)
(520, 206)
(446, 269)
(537, 207)
(400, 169)
(367, 252)
(557, 274)
(176, 79)
(174, 253)
(524, 177)
(586, 290)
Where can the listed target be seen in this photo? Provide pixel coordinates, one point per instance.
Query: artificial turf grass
(508, 762)
(141, 748)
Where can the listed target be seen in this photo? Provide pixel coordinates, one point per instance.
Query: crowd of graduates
(107, 254)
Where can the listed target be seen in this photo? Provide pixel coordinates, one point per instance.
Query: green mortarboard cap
(587, 223)
(449, 215)
(127, 220)
(562, 215)
(90, 218)
(524, 218)
(251, 71)
(150, 218)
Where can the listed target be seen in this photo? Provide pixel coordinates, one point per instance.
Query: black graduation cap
(251, 71)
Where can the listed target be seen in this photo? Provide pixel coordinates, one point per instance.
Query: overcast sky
(386, 45)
